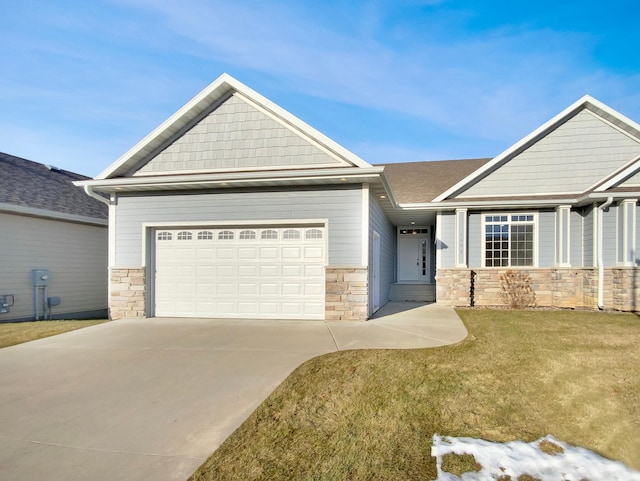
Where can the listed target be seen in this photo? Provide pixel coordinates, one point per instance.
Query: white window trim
(563, 243)
(461, 233)
(536, 235)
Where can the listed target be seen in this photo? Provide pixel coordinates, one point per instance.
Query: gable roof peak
(202, 103)
(586, 102)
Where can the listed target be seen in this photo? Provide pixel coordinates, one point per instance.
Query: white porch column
(461, 237)
(626, 233)
(563, 235)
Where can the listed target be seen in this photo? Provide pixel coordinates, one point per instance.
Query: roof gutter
(91, 193)
(601, 209)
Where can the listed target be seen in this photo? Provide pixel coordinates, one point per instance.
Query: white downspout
(600, 261)
(91, 193)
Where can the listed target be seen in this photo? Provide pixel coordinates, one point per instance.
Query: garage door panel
(291, 271)
(248, 271)
(219, 273)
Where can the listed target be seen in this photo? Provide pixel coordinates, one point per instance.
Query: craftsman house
(234, 208)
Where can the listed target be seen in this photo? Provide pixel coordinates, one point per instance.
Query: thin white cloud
(494, 84)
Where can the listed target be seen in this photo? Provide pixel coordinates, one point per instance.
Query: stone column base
(127, 293)
(346, 293)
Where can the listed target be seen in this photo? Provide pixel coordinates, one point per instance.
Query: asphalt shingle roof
(421, 182)
(30, 184)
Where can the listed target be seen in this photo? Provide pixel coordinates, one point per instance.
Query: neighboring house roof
(421, 182)
(31, 185)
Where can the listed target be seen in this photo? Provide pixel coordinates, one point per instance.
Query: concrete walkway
(151, 399)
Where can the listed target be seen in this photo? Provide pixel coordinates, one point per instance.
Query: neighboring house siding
(588, 213)
(446, 243)
(379, 222)
(341, 206)
(556, 163)
(235, 136)
(576, 239)
(75, 254)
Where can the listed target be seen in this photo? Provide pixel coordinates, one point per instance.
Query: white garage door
(261, 273)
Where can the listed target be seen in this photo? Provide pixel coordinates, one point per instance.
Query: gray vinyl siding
(546, 238)
(475, 240)
(609, 236)
(379, 222)
(637, 253)
(446, 243)
(75, 254)
(235, 136)
(633, 181)
(588, 213)
(341, 206)
(571, 158)
(576, 250)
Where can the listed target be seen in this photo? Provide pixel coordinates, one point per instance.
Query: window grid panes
(247, 235)
(164, 236)
(313, 234)
(269, 234)
(509, 240)
(225, 235)
(291, 234)
(205, 235)
(184, 235)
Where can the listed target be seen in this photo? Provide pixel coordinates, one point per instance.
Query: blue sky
(393, 81)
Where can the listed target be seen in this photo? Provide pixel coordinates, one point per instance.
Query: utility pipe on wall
(601, 209)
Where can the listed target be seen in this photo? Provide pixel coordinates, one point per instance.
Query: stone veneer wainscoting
(557, 287)
(127, 293)
(346, 293)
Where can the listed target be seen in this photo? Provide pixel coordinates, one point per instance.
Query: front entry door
(413, 258)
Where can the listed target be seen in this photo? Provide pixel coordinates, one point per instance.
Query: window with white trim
(509, 240)
(225, 235)
(184, 235)
(164, 235)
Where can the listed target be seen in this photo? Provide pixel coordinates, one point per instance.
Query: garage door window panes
(225, 235)
(269, 234)
(164, 236)
(184, 235)
(291, 234)
(205, 235)
(313, 234)
(247, 235)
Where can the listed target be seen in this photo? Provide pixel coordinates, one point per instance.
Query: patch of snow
(517, 457)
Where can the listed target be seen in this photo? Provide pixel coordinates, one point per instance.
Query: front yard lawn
(18, 332)
(370, 415)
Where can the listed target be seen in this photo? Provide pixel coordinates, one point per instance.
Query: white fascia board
(627, 170)
(347, 173)
(215, 91)
(530, 139)
(51, 214)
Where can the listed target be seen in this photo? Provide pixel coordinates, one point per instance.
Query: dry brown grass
(19, 332)
(370, 415)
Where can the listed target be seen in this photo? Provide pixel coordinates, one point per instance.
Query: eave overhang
(334, 176)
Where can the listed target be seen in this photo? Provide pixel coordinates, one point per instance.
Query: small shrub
(516, 290)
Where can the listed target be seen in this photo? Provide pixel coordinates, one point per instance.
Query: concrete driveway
(153, 398)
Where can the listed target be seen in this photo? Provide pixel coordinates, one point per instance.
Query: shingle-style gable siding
(238, 136)
(29, 184)
(572, 158)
